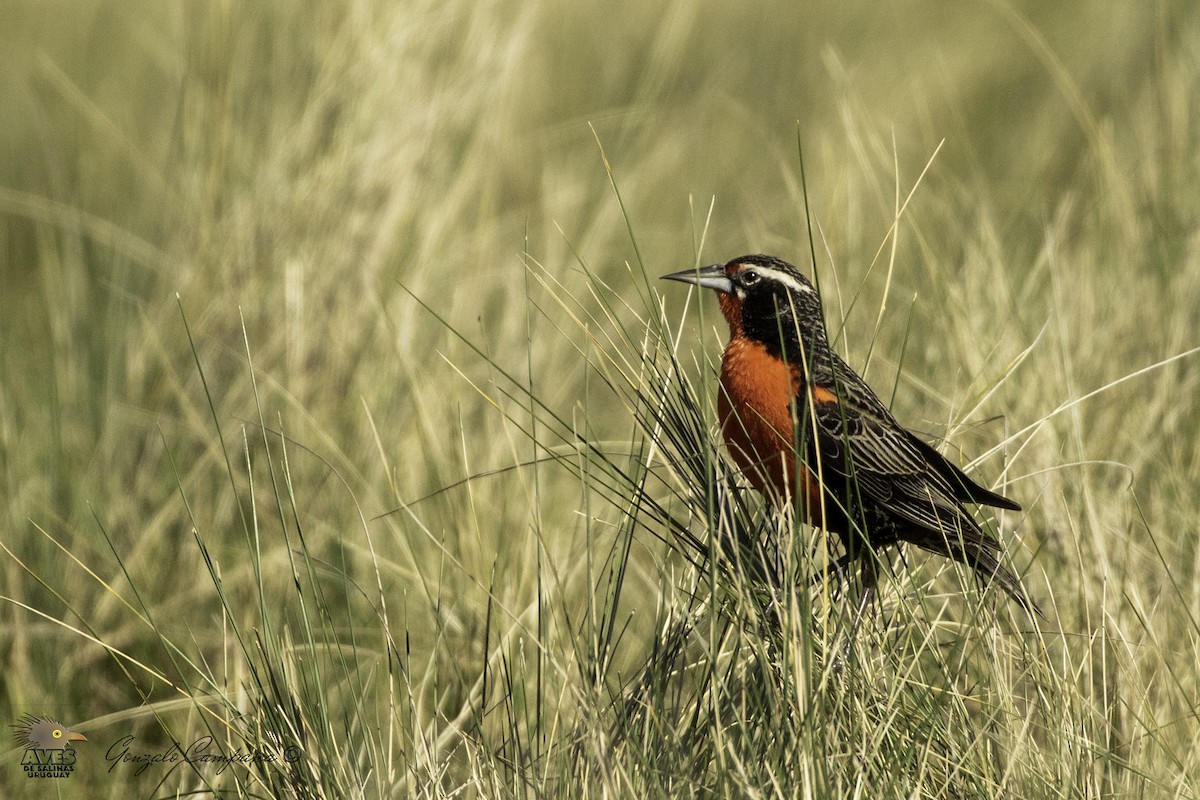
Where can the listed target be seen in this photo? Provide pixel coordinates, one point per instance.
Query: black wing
(965, 489)
(888, 472)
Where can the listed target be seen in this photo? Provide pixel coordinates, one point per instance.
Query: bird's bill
(75, 736)
(711, 277)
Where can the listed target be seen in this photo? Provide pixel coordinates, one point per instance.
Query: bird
(45, 733)
(807, 430)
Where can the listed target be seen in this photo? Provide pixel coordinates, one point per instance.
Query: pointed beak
(710, 277)
(75, 736)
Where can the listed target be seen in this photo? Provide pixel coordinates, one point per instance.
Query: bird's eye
(749, 277)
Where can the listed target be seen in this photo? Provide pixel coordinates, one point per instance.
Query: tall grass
(340, 409)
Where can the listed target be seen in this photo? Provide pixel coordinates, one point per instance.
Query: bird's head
(763, 298)
(46, 734)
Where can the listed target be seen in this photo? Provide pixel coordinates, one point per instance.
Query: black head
(765, 299)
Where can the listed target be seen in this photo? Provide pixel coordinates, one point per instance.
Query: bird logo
(44, 733)
(805, 429)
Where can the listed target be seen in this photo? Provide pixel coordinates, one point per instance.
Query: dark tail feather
(981, 552)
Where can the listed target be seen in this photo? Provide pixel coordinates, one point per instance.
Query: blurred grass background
(299, 169)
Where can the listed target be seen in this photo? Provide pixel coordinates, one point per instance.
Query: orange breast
(754, 406)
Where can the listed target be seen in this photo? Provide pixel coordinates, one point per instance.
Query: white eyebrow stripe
(782, 277)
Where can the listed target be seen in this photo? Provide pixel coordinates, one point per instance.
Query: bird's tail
(975, 548)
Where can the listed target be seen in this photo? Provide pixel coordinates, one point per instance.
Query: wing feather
(889, 472)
